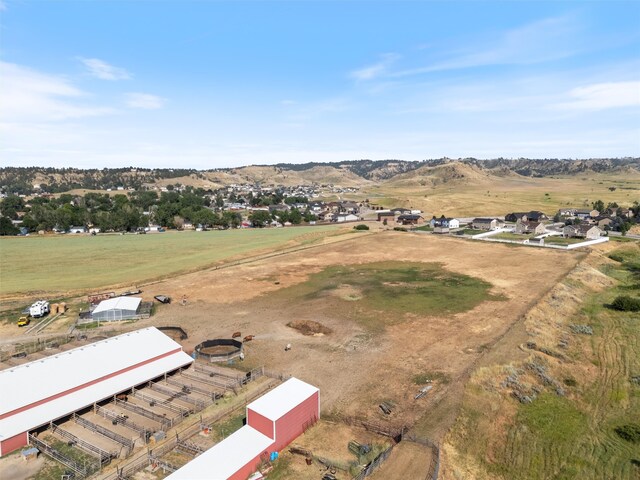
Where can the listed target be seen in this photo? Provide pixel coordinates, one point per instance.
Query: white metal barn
(42, 391)
(116, 309)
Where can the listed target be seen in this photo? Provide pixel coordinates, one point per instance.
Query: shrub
(629, 432)
(616, 257)
(400, 229)
(361, 227)
(625, 303)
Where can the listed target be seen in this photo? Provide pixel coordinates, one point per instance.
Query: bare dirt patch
(309, 327)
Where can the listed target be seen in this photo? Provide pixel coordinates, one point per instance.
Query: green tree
(625, 227)
(233, 219)
(7, 228)
(598, 205)
(11, 205)
(260, 218)
(295, 216)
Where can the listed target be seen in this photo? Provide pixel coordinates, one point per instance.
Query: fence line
(153, 456)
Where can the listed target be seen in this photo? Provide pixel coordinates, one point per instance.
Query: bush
(625, 303)
(400, 229)
(616, 257)
(629, 432)
(361, 227)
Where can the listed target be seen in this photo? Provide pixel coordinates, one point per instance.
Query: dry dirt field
(354, 367)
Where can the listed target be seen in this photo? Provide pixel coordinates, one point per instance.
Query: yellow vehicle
(24, 321)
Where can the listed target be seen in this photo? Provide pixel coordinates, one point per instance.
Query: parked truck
(39, 309)
(24, 321)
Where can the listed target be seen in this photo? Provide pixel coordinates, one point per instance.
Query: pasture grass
(382, 293)
(572, 436)
(73, 263)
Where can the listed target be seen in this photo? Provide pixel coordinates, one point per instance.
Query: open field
(384, 293)
(65, 263)
(500, 195)
(586, 387)
(387, 277)
(347, 362)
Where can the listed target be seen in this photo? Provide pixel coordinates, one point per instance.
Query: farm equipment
(163, 298)
(423, 391)
(358, 449)
(24, 321)
(386, 408)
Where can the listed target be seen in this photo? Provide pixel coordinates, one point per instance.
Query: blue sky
(208, 84)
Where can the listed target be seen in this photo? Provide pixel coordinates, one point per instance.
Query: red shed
(285, 412)
(273, 421)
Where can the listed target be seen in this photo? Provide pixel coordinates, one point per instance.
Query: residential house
(536, 216)
(516, 216)
(279, 208)
(586, 213)
(345, 217)
(444, 222)
(350, 207)
(590, 232)
(410, 219)
(487, 223)
(567, 212)
(624, 213)
(603, 221)
(326, 216)
(401, 211)
(527, 227)
(532, 216)
(388, 216)
(453, 222)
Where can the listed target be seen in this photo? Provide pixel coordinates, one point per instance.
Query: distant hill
(355, 173)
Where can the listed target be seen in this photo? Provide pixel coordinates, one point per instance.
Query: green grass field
(381, 293)
(74, 263)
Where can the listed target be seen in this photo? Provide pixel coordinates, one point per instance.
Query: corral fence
(181, 333)
(33, 346)
(80, 471)
(153, 457)
(434, 466)
(236, 345)
(398, 434)
(374, 464)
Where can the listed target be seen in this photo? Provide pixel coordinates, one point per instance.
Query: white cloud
(375, 70)
(29, 95)
(601, 96)
(144, 101)
(537, 42)
(102, 70)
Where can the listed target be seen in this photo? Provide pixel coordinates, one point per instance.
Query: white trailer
(39, 309)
